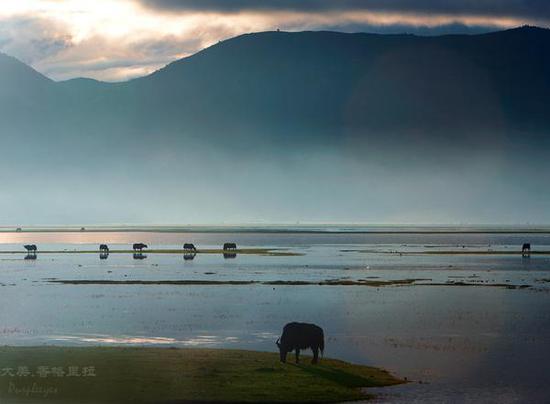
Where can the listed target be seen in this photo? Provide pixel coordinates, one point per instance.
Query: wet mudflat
(469, 326)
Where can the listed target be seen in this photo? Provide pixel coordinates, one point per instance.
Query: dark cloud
(532, 9)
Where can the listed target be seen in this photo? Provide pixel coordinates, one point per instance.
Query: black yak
(229, 246)
(104, 248)
(526, 249)
(31, 247)
(139, 246)
(298, 336)
(189, 247)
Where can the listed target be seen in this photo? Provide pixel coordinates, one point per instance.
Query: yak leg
(297, 355)
(315, 350)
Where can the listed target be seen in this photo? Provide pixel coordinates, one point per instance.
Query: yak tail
(322, 343)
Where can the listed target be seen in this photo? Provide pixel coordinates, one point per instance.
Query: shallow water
(465, 343)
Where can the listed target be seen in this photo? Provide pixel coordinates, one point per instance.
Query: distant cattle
(189, 247)
(298, 336)
(104, 248)
(30, 247)
(526, 249)
(229, 246)
(139, 246)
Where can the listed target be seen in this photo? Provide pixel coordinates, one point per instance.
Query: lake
(473, 324)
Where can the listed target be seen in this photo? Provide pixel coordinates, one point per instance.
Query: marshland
(450, 313)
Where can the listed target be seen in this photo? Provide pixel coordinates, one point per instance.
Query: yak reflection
(189, 256)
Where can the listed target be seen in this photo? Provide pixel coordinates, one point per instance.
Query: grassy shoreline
(449, 252)
(205, 282)
(245, 251)
(336, 282)
(131, 375)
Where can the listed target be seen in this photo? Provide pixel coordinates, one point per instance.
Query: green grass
(131, 375)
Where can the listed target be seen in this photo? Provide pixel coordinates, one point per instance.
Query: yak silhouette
(139, 246)
(104, 248)
(189, 247)
(298, 336)
(229, 246)
(30, 247)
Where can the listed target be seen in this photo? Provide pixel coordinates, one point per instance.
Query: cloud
(32, 39)
(537, 9)
(100, 58)
(117, 40)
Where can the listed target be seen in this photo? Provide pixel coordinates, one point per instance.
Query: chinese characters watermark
(48, 371)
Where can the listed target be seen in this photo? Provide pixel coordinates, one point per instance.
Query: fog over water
(283, 127)
(192, 185)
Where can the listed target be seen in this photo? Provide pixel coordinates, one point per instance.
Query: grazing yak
(139, 246)
(298, 336)
(189, 247)
(526, 249)
(104, 248)
(229, 246)
(30, 247)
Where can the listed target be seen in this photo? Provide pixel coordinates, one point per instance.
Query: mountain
(22, 89)
(372, 83)
(384, 104)
(318, 86)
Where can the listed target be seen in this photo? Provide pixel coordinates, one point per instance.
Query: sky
(116, 40)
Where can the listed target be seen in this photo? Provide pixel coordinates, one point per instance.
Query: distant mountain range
(388, 99)
(308, 86)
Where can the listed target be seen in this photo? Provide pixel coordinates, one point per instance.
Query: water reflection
(198, 340)
(189, 257)
(103, 255)
(30, 256)
(139, 256)
(229, 255)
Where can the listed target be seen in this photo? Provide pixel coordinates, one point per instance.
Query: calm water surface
(474, 343)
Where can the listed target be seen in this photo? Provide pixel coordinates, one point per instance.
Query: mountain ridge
(336, 85)
(314, 125)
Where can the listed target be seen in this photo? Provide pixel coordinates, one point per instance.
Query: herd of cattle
(295, 336)
(104, 248)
